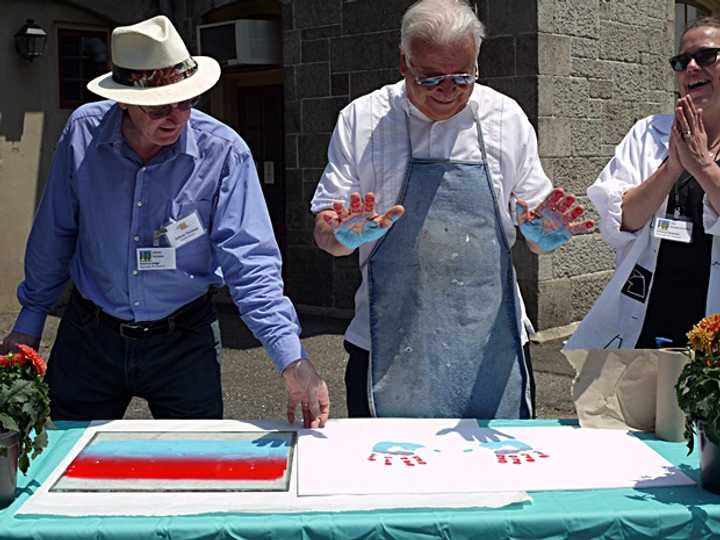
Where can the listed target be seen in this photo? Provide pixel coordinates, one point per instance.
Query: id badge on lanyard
(675, 226)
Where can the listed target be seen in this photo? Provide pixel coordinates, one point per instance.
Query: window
(686, 13)
(82, 56)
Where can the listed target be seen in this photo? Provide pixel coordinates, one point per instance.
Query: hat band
(150, 78)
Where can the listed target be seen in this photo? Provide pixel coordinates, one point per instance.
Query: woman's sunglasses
(156, 112)
(702, 57)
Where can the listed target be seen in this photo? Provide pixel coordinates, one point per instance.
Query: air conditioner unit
(241, 42)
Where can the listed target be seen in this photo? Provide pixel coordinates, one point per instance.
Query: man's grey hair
(442, 22)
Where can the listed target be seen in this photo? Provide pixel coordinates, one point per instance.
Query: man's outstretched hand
(306, 388)
(359, 223)
(553, 222)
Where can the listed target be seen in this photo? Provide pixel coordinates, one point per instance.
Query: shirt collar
(187, 143)
(111, 132)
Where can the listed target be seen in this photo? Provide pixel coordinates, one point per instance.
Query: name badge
(155, 258)
(673, 229)
(185, 230)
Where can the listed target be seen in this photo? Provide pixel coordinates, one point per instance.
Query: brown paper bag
(614, 388)
(618, 388)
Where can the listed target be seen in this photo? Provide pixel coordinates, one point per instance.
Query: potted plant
(24, 415)
(698, 393)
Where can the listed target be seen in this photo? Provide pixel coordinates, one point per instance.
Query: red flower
(32, 355)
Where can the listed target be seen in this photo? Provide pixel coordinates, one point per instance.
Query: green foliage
(24, 406)
(698, 394)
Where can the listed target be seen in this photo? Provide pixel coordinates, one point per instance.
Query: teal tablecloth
(675, 513)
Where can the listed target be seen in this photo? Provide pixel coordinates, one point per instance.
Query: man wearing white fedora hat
(149, 206)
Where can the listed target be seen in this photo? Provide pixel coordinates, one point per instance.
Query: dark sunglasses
(157, 112)
(702, 57)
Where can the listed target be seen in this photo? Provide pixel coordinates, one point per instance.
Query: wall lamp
(30, 40)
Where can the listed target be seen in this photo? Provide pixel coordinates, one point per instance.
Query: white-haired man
(150, 205)
(439, 305)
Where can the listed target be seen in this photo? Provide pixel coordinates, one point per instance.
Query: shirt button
(136, 238)
(135, 272)
(136, 303)
(139, 203)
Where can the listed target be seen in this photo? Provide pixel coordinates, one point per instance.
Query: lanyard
(680, 198)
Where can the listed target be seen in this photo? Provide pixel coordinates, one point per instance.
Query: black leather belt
(144, 329)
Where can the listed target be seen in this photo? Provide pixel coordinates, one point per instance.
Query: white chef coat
(616, 320)
(369, 151)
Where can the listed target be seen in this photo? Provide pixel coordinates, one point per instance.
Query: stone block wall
(602, 65)
(334, 51)
(584, 72)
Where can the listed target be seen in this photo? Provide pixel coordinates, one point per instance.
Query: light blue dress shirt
(102, 203)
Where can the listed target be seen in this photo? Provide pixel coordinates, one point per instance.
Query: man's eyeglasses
(461, 79)
(702, 57)
(156, 112)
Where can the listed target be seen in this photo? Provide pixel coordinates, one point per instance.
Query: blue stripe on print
(183, 448)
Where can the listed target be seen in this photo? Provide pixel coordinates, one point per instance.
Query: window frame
(61, 33)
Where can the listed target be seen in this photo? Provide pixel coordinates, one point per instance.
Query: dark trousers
(356, 380)
(94, 370)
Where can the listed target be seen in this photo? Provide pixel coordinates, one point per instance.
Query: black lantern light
(30, 40)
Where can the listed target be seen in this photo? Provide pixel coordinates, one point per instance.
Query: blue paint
(396, 448)
(511, 446)
(183, 448)
(536, 230)
(359, 230)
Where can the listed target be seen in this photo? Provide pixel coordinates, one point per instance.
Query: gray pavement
(253, 390)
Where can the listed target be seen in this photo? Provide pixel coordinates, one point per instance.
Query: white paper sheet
(43, 502)
(440, 456)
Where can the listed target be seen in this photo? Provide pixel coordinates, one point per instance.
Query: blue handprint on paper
(513, 451)
(387, 451)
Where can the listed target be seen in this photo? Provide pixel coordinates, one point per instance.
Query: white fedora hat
(152, 66)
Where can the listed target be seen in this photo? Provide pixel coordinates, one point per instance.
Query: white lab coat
(616, 319)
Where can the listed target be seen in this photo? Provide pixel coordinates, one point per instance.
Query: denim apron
(443, 326)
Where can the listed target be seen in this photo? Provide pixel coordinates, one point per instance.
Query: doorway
(260, 124)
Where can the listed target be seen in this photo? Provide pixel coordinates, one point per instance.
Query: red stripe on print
(176, 469)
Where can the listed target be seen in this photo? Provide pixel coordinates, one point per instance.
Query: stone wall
(334, 51)
(584, 72)
(606, 67)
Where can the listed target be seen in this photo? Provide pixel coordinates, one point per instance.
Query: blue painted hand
(360, 229)
(552, 223)
(359, 224)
